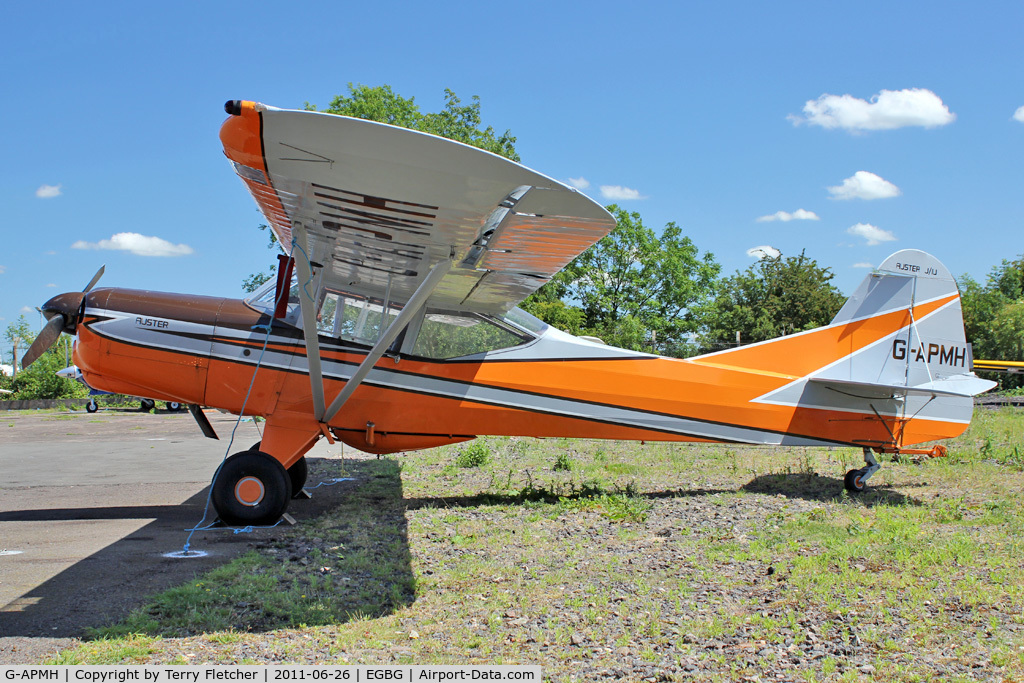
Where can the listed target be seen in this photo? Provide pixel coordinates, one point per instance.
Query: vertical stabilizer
(916, 294)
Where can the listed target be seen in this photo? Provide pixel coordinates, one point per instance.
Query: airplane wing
(381, 205)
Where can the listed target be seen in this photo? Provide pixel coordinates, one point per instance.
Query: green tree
(634, 289)
(773, 297)
(39, 380)
(19, 335)
(456, 121)
(994, 317)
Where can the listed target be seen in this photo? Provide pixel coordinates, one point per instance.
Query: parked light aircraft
(145, 404)
(400, 331)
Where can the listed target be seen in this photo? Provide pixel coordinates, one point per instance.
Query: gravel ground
(692, 576)
(673, 597)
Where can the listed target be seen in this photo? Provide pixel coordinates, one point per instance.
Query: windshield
(263, 299)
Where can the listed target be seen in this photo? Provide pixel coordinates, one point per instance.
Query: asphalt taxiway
(90, 506)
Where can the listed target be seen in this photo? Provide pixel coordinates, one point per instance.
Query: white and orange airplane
(399, 331)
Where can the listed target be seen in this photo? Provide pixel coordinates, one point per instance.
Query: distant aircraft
(145, 404)
(1011, 366)
(400, 332)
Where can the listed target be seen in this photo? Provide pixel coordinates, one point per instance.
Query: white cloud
(1019, 115)
(785, 217)
(48, 191)
(620, 193)
(887, 110)
(863, 264)
(580, 183)
(3, 269)
(864, 185)
(140, 245)
(51, 285)
(874, 235)
(763, 251)
(26, 310)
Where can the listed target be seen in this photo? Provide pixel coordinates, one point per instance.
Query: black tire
(147, 404)
(175, 407)
(298, 473)
(854, 481)
(91, 406)
(252, 488)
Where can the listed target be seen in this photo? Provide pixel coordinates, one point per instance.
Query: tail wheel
(251, 488)
(91, 406)
(854, 481)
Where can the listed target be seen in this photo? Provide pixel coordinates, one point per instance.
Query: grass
(656, 553)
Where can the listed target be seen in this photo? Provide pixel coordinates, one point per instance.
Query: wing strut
(411, 308)
(308, 307)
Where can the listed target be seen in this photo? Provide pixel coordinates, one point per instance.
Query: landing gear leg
(856, 481)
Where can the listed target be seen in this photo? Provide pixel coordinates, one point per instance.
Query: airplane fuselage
(204, 350)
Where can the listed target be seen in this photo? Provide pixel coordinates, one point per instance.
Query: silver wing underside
(381, 205)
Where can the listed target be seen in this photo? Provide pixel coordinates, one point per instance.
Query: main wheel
(251, 488)
(298, 473)
(91, 406)
(854, 481)
(175, 407)
(147, 404)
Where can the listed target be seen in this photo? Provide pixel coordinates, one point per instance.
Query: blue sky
(712, 115)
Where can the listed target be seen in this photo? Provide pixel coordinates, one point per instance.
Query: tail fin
(900, 355)
(928, 353)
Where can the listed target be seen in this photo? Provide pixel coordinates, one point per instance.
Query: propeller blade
(95, 278)
(48, 336)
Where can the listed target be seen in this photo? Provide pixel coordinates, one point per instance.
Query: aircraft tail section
(898, 353)
(928, 351)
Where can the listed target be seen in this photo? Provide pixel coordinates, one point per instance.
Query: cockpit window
(439, 334)
(528, 322)
(264, 299)
(450, 334)
(354, 318)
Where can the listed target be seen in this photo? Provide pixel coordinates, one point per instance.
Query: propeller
(63, 313)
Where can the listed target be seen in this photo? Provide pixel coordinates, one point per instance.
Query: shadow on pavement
(103, 588)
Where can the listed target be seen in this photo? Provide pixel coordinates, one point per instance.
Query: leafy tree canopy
(456, 121)
(994, 316)
(39, 380)
(633, 289)
(773, 297)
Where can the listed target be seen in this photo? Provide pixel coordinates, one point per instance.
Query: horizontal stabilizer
(962, 385)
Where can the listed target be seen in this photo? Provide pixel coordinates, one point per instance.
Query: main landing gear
(253, 488)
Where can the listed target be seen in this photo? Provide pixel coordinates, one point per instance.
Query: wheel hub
(249, 491)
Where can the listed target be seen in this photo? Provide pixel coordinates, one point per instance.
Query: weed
(563, 463)
(476, 454)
